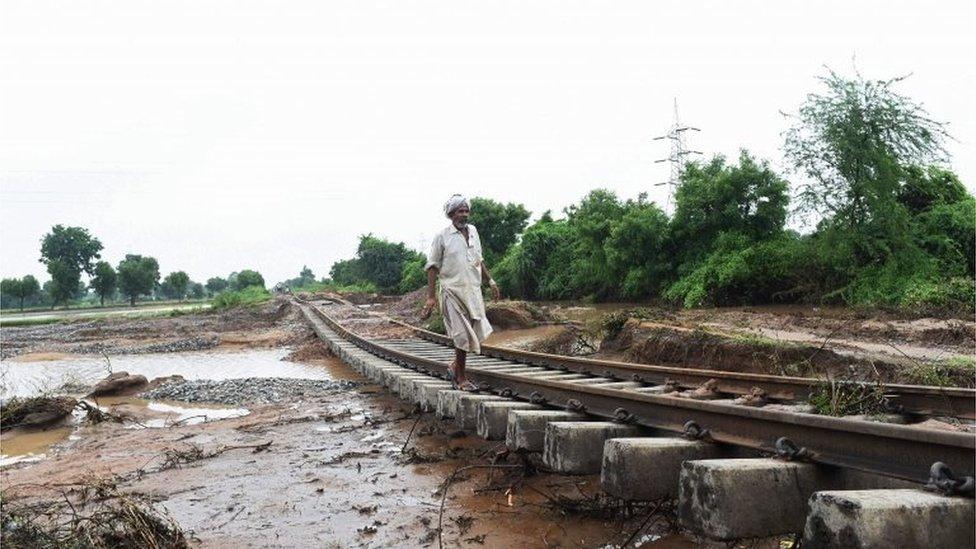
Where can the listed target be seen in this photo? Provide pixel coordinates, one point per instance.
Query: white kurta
(458, 262)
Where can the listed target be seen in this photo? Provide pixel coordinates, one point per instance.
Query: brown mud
(336, 472)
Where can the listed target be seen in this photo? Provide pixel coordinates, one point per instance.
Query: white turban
(454, 203)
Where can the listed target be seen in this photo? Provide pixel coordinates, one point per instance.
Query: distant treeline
(70, 252)
(895, 228)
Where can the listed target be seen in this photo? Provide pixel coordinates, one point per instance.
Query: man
(455, 260)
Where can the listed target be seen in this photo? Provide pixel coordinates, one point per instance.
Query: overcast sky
(221, 135)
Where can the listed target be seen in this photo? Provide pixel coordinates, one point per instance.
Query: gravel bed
(252, 390)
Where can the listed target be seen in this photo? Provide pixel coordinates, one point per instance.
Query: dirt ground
(338, 471)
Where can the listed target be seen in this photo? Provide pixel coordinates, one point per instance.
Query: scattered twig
(405, 442)
(641, 527)
(231, 519)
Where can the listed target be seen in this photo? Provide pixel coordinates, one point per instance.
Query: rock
(248, 390)
(119, 383)
(35, 412)
(166, 380)
(508, 315)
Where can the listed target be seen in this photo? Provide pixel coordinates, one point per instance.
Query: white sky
(221, 135)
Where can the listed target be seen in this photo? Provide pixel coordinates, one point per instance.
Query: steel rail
(897, 451)
(956, 402)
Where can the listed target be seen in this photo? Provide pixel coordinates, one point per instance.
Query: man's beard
(461, 223)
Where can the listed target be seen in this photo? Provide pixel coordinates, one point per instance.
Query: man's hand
(496, 294)
(428, 308)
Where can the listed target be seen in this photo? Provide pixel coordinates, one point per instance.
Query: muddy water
(25, 378)
(522, 338)
(48, 372)
(31, 445)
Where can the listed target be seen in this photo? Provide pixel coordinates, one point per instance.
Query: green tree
(179, 281)
(638, 251)
(346, 272)
(20, 288)
(216, 285)
(306, 276)
(67, 252)
(381, 262)
(715, 198)
(29, 288)
(855, 142)
(499, 225)
(104, 280)
(197, 290)
(9, 289)
(137, 275)
(248, 278)
(64, 281)
(922, 188)
(592, 222)
(858, 142)
(540, 266)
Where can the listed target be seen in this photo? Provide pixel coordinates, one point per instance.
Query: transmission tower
(677, 156)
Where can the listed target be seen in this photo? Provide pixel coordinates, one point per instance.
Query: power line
(677, 157)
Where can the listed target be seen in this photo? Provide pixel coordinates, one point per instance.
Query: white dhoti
(458, 260)
(467, 328)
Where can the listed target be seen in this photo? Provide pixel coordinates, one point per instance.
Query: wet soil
(336, 474)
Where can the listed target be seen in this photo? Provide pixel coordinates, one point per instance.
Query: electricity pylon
(677, 156)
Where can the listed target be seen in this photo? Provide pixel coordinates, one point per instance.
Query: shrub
(739, 272)
(948, 297)
(248, 297)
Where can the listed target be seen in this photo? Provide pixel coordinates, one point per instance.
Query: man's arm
(431, 292)
(496, 294)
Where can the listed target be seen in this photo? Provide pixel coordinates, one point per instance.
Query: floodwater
(56, 373)
(19, 445)
(522, 338)
(23, 377)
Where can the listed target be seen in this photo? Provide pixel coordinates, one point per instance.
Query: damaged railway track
(645, 396)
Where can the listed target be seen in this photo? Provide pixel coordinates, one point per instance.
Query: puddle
(18, 446)
(49, 371)
(21, 378)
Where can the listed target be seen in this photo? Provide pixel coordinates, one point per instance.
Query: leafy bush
(954, 296)
(414, 276)
(248, 297)
(741, 272)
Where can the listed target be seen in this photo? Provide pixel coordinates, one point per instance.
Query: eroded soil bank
(781, 340)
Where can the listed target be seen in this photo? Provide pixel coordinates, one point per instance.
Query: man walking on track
(455, 261)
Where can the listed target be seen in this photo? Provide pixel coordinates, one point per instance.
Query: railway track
(647, 396)
(956, 402)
